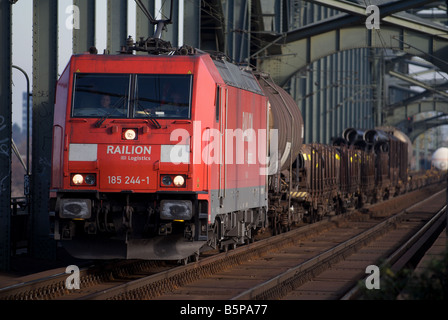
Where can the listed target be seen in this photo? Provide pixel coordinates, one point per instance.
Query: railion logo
(132, 150)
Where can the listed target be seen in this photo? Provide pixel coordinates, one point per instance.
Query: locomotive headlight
(83, 179)
(167, 181)
(77, 179)
(171, 181)
(130, 134)
(179, 181)
(90, 179)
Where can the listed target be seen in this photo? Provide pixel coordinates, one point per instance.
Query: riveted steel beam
(192, 23)
(5, 132)
(144, 28)
(173, 31)
(45, 57)
(84, 32)
(238, 16)
(117, 17)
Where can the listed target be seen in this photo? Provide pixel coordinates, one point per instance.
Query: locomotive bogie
(236, 228)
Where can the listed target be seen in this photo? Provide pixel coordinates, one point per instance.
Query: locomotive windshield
(98, 95)
(152, 96)
(163, 96)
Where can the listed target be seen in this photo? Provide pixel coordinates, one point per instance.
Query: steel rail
(38, 288)
(154, 285)
(402, 256)
(293, 277)
(54, 286)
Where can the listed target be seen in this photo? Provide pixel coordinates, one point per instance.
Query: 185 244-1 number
(127, 180)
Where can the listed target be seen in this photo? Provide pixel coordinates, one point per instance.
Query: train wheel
(227, 247)
(314, 217)
(360, 199)
(224, 248)
(249, 240)
(195, 257)
(192, 258)
(275, 226)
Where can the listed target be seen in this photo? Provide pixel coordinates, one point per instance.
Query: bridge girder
(5, 132)
(395, 116)
(300, 47)
(417, 128)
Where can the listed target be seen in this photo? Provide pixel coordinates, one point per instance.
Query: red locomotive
(154, 156)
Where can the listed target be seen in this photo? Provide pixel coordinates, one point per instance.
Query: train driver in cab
(109, 108)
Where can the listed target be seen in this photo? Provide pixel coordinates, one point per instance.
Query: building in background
(24, 112)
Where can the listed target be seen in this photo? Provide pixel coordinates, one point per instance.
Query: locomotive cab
(123, 175)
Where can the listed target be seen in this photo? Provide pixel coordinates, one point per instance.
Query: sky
(22, 43)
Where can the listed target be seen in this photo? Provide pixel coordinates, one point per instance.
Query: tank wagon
(439, 159)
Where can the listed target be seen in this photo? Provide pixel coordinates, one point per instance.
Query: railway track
(338, 255)
(307, 262)
(330, 274)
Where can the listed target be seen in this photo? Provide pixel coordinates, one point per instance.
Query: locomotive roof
(236, 77)
(231, 74)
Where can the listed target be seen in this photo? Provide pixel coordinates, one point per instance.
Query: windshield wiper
(150, 117)
(107, 115)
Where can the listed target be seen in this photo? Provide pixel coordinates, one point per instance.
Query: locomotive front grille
(176, 210)
(75, 208)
